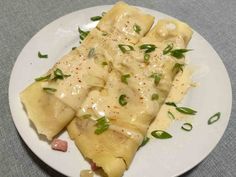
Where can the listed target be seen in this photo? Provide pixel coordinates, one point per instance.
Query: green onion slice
(102, 125)
(91, 53)
(137, 28)
(43, 78)
(178, 67)
(83, 34)
(179, 53)
(95, 18)
(187, 127)
(58, 74)
(160, 134)
(168, 48)
(125, 48)
(40, 55)
(122, 100)
(214, 118)
(124, 78)
(171, 104)
(157, 78)
(148, 47)
(48, 89)
(146, 58)
(155, 96)
(186, 110)
(171, 115)
(145, 141)
(73, 48)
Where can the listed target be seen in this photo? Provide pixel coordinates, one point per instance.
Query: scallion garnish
(104, 63)
(125, 48)
(157, 78)
(83, 34)
(148, 47)
(73, 48)
(137, 28)
(160, 134)
(91, 53)
(58, 74)
(102, 125)
(186, 110)
(214, 118)
(43, 78)
(171, 115)
(179, 53)
(187, 127)
(145, 141)
(48, 89)
(155, 96)
(124, 78)
(146, 58)
(122, 100)
(183, 110)
(95, 18)
(42, 55)
(178, 67)
(171, 104)
(168, 48)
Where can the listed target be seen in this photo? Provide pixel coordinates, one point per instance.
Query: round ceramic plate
(170, 157)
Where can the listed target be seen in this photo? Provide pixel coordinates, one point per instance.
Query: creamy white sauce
(181, 85)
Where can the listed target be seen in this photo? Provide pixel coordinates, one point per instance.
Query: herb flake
(214, 118)
(102, 125)
(160, 134)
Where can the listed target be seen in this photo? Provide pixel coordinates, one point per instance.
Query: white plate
(159, 157)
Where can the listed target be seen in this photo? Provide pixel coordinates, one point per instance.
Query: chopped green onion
(187, 127)
(171, 104)
(42, 55)
(137, 28)
(86, 116)
(58, 74)
(91, 53)
(83, 34)
(122, 100)
(102, 125)
(214, 118)
(148, 47)
(155, 96)
(73, 48)
(103, 13)
(157, 78)
(95, 18)
(178, 67)
(179, 53)
(160, 134)
(168, 48)
(124, 78)
(48, 89)
(145, 141)
(125, 48)
(186, 110)
(146, 58)
(43, 78)
(104, 63)
(104, 33)
(171, 115)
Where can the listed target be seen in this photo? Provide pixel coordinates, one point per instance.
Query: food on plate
(110, 91)
(59, 145)
(67, 84)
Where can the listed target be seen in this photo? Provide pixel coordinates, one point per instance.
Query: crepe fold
(87, 68)
(114, 149)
